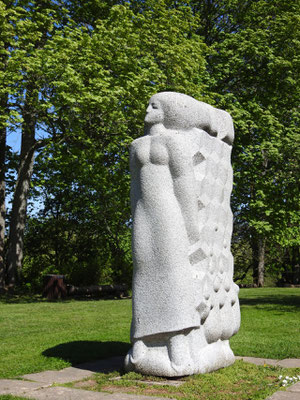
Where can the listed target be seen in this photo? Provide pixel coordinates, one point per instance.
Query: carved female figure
(166, 295)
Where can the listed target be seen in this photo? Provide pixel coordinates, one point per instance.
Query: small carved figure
(185, 304)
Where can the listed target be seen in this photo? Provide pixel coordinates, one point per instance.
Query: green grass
(270, 323)
(39, 335)
(9, 397)
(239, 381)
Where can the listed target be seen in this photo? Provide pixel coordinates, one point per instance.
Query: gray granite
(289, 363)
(18, 387)
(258, 361)
(65, 375)
(294, 388)
(286, 363)
(64, 393)
(170, 382)
(77, 373)
(185, 304)
(284, 396)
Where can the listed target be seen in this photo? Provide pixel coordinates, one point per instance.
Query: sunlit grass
(270, 323)
(239, 381)
(38, 335)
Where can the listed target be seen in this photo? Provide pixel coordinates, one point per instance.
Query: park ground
(37, 335)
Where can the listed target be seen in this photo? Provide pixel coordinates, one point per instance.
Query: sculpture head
(154, 112)
(173, 109)
(179, 111)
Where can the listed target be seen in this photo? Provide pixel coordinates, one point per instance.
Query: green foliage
(254, 73)
(30, 26)
(76, 233)
(99, 89)
(242, 254)
(263, 57)
(91, 67)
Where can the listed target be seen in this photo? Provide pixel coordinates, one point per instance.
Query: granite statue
(185, 303)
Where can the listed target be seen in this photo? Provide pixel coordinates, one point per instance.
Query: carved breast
(142, 150)
(151, 150)
(158, 152)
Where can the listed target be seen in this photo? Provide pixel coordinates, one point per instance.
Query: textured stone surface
(259, 361)
(63, 376)
(295, 388)
(185, 304)
(64, 393)
(170, 382)
(18, 387)
(81, 371)
(289, 363)
(280, 395)
(286, 363)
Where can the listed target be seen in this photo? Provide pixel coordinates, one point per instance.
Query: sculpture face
(154, 113)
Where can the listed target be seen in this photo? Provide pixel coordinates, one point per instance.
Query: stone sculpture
(185, 304)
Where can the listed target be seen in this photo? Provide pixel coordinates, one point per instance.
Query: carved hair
(184, 112)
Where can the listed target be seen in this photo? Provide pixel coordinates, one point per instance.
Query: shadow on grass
(271, 302)
(35, 298)
(84, 351)
(12, 298)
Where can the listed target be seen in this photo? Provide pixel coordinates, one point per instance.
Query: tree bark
(291, 266)
(3, 104)
(3, 130)
(258, 251)
(19, 207)
(296, 265)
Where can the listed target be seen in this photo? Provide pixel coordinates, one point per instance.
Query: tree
(91, 102)
(87, 71)
(124, 69)
(3, 105)
(254, 74)
(6, 36)
(32, 25)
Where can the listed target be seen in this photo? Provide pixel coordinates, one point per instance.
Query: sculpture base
(157, 355)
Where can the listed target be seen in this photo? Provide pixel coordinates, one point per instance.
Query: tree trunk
(258, 251)
(3, 121)
(291, 267)
(296, 265)
(19, 207)
(2, 200)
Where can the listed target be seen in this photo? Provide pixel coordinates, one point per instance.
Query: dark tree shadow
(13, 298)
(273, 302)
(87, 352)
(17, 298)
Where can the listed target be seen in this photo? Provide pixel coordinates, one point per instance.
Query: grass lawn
(38, 335)
(241, 381)
(270, 323)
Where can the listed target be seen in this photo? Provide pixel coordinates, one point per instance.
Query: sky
(14, 140)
